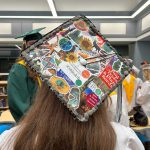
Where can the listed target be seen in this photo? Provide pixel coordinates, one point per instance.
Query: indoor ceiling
(146, 38)
(69, 7)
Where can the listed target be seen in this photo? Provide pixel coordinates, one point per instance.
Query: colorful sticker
(32, 54)
(117, 65)
(43, 52)
(75, 72)
(51, 71)
(94, 68)
(85, 43)
(107, 48)
(74, 98)
(100, 41)
(46, 73)
(124, 70)
(71, 57)
(48, 62)
(100, 84)
(110, 77)
(92, 100)
(88, 91)
(81, 25)
(38, 64)
(60, 73)
(59, 84)
(86, 74)
(75, 36)
(65, 44)
(113, 59)
(95, 89)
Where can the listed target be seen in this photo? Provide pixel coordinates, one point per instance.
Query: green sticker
(60, 83)
(78, 82)
(98, 91)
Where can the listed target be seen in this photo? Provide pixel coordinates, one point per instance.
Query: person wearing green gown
(22, 82)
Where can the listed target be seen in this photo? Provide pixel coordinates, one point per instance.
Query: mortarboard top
(35, 31)
(80, 87)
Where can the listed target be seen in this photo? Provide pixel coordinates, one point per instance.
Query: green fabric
(21, 90)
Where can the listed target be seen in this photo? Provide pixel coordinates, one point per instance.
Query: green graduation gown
(20, 89)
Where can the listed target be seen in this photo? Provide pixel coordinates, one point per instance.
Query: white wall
(146, 22)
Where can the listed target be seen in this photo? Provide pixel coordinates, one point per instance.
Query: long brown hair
(49, 126)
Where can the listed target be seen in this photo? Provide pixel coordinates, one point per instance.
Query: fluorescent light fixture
(52, 7)
(4, 74)
(62, 17)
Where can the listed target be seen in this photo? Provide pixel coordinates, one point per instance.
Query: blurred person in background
(22, 82)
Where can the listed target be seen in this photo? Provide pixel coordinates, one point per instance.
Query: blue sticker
(65, 44)
(88, 91)
(60, 73)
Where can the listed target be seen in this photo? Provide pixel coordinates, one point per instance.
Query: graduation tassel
(119, 103)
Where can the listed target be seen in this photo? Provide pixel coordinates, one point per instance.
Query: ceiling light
(63, 17)
(52, 7)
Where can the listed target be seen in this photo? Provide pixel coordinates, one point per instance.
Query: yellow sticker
(59, 84)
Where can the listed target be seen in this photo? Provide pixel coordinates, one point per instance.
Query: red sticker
(100, 41)
(92, 100)
(110, 77)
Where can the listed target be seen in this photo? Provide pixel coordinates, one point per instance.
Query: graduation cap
(83, 74)
(31, 35)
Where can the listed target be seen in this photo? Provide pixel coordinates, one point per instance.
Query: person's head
(146, 72)
(50, 125)
(30, 37)
(144, 62)
(135, 71)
